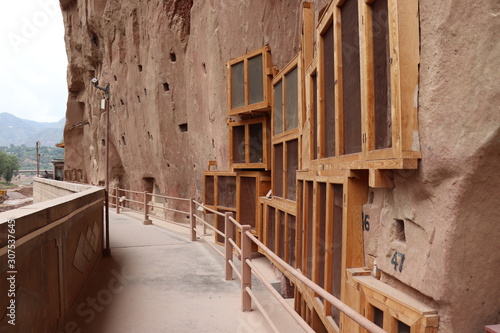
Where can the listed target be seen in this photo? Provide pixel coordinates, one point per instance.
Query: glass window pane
(378, 317)
(309, 220)
(292, 164)
(322, 230)
(237, 85)
(281, 250)
(382, 83)
(278, 108)
(271, 229)
(255, 80)
(256, 145)
(292, 97)
(351, 77)
(403, 328)
(291, 240)
(226, 186)
(329, 93)
(239, 144)
(278, 170)
(209, 190)
(248, 201)
(337, 246)
(314, 124)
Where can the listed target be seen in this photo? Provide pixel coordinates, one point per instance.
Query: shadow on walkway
(158, 281)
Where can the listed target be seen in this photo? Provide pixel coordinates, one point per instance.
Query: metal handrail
(280, 299)
(131, 200)
(209, 243)
(129, 191)
(236, 223)
(249, 267)
(263, 311)
(211, 226)
(347, 310)
(169, 209)
(167, 197)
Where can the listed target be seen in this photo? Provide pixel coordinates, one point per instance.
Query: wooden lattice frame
(267, 75)
(266, 147)
(404, 57)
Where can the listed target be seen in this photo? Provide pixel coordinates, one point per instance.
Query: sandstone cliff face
(165, 61)
(449, 203)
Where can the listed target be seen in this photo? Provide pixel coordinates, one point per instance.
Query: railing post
(117, 200)
(246, 271)
(146, 218)
(229, 232)
(192, 219)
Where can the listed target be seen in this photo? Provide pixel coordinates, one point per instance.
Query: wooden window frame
(355, 194)
(394, 303)
(312, 104)
(216, 206)
(287, 135)
(281, 77)
(268, 71)
(285, 143)
(289, 209)
(266, 146)
(262, 186)
(404, 60)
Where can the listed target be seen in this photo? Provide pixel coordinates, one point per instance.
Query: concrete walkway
(157, 280)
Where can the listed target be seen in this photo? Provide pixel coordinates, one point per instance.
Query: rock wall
(165, 62)
(449, 205)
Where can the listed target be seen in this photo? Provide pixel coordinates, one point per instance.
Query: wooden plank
(339, 104)
(286, 136)
(315, 236)
(379, 178)
(308, 32)
(266, 142)
(355, 194)
(251, 54)
(286, 254)
(394, 77)
(299, 224)
(324, 23)
(329, 242)
(229, 88)
(260, 107)
(246, 83)
(409, 58)
(380, 290)
(285, 205)
(366, 76)
(305, 226)
(308, 131)
(267, 73)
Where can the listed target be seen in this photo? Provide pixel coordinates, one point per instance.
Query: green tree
(11, 167)
(3, 162)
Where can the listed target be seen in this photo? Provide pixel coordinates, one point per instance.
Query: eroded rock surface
(165, 62)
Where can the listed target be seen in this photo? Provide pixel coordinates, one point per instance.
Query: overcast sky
(32, 60)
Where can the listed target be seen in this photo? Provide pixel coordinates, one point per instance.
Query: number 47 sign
(398, 260)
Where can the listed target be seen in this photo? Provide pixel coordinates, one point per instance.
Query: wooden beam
(380, 178)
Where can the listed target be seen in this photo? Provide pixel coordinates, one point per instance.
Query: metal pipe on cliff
(107, 250)
(106, 89)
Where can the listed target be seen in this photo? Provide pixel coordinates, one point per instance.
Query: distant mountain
(18, 131)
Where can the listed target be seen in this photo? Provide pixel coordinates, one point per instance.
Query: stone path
(158, 281)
